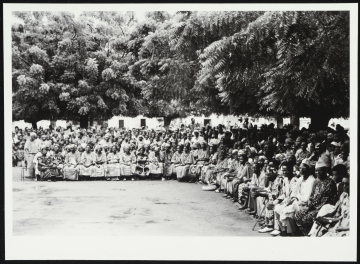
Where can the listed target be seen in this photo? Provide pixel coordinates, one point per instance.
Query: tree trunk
(319, 122)
(167, 121)
(84, 121)
(295, 121)
(279, 122)
(34, 124)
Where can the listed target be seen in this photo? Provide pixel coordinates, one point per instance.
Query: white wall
(135, 122)
(130, 122)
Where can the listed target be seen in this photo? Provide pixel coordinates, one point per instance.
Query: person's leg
(277, 229)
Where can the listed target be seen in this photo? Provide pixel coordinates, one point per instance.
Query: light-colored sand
(137, 208)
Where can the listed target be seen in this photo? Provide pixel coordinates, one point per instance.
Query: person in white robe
(285, 212)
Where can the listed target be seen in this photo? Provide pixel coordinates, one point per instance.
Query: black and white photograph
(181, 132)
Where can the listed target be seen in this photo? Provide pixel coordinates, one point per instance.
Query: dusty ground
(125, 208)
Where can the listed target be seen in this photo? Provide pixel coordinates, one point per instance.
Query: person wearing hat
(71, 168)
(334, 151)
(127, 164)
(324, 192)
(30, 149)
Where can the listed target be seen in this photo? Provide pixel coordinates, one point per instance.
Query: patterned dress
(276, 190)
(87, 159)
(207, 169)
(165, 158)
(142, 167)
(324, 192)
(47, 168)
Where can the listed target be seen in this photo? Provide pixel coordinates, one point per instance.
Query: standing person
(30, 149)
(71, 169)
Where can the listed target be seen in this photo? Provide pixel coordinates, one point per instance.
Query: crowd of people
(293, 182)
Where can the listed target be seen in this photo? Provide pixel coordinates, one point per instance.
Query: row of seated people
(285, 199)
(131, 163)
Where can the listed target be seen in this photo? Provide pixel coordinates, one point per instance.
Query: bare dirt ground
(140, 208)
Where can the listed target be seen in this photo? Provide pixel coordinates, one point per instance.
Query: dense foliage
(102, 64)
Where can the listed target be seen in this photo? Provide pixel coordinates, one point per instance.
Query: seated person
(86, 163)
(142, 163)
(46, 169)
(71, 168)
(324, 192)
(58, 158)
(156, 168)
(257, 181)
(335, 219)
(127, 164)
(341, 178)
(113, 165)
(210, 165)
(244, 174)
(165, 157)
(285, 213)
(274, 191)
(186, 159)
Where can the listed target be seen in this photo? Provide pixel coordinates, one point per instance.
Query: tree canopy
(101, 64)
